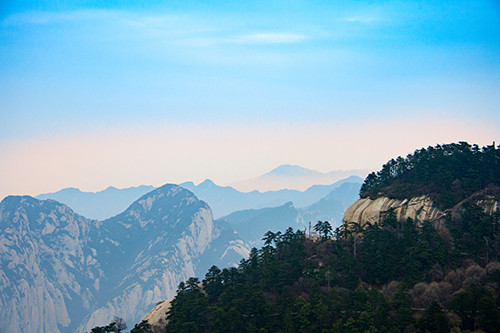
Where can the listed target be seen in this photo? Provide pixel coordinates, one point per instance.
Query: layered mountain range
(274, 210)
(225, 200)
(430, 217)
(222, 199)
(64, 272)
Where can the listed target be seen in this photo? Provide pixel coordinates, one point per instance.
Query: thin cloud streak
(48, 18)
(179, 28)
(361, 19)
(270, 38)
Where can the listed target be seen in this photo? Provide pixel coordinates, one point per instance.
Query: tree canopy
(448, 173)
(387, 277)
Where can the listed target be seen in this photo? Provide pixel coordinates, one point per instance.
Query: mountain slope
(251, 224)
(332, 206)
(379, 279)
(158, 240)
(49, 272)
(63, 272)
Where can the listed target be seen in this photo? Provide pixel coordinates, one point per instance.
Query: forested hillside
(393, 276)
(448, 173)
(386, 278)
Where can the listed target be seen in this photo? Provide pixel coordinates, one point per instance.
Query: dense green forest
(392, 277)
(448, 173)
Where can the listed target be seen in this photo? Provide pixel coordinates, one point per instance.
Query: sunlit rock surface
(419, 209)
(373, 211)
(156, 318)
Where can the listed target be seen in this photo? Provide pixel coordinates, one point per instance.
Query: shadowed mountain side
(333, 206)
(251, 224)
(225, 251)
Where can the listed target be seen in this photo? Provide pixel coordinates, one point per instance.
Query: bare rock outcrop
(366, 210)
(419, 209)
(157, 318)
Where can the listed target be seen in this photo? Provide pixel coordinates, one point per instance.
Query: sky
(123, 93)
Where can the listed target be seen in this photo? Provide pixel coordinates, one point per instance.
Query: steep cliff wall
(419, 209)
(373, 211)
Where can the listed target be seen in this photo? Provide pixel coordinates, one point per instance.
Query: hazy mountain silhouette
(98, 205)
(251, 224)
(294, 177)
(225, 199)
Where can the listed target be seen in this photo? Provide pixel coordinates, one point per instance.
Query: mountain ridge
(225, 199)
(98, 205)
(107, 203)
(85, 270)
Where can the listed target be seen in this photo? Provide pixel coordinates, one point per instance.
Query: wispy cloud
(361, 19)
(270, 38)
(47, 18)
(181, 28)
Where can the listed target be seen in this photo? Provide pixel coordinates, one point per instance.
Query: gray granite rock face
(419, 209)
(62, 272)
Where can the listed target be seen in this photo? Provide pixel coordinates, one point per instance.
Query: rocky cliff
(62, 272)
(49, 273)
(157, 318)
(373, 211)
(419, 209)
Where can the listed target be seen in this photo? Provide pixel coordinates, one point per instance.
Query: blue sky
(91, 74)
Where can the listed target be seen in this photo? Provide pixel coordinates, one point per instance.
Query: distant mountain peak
(289, 176)
(207, 182)
(71, 190)
(289, 170)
